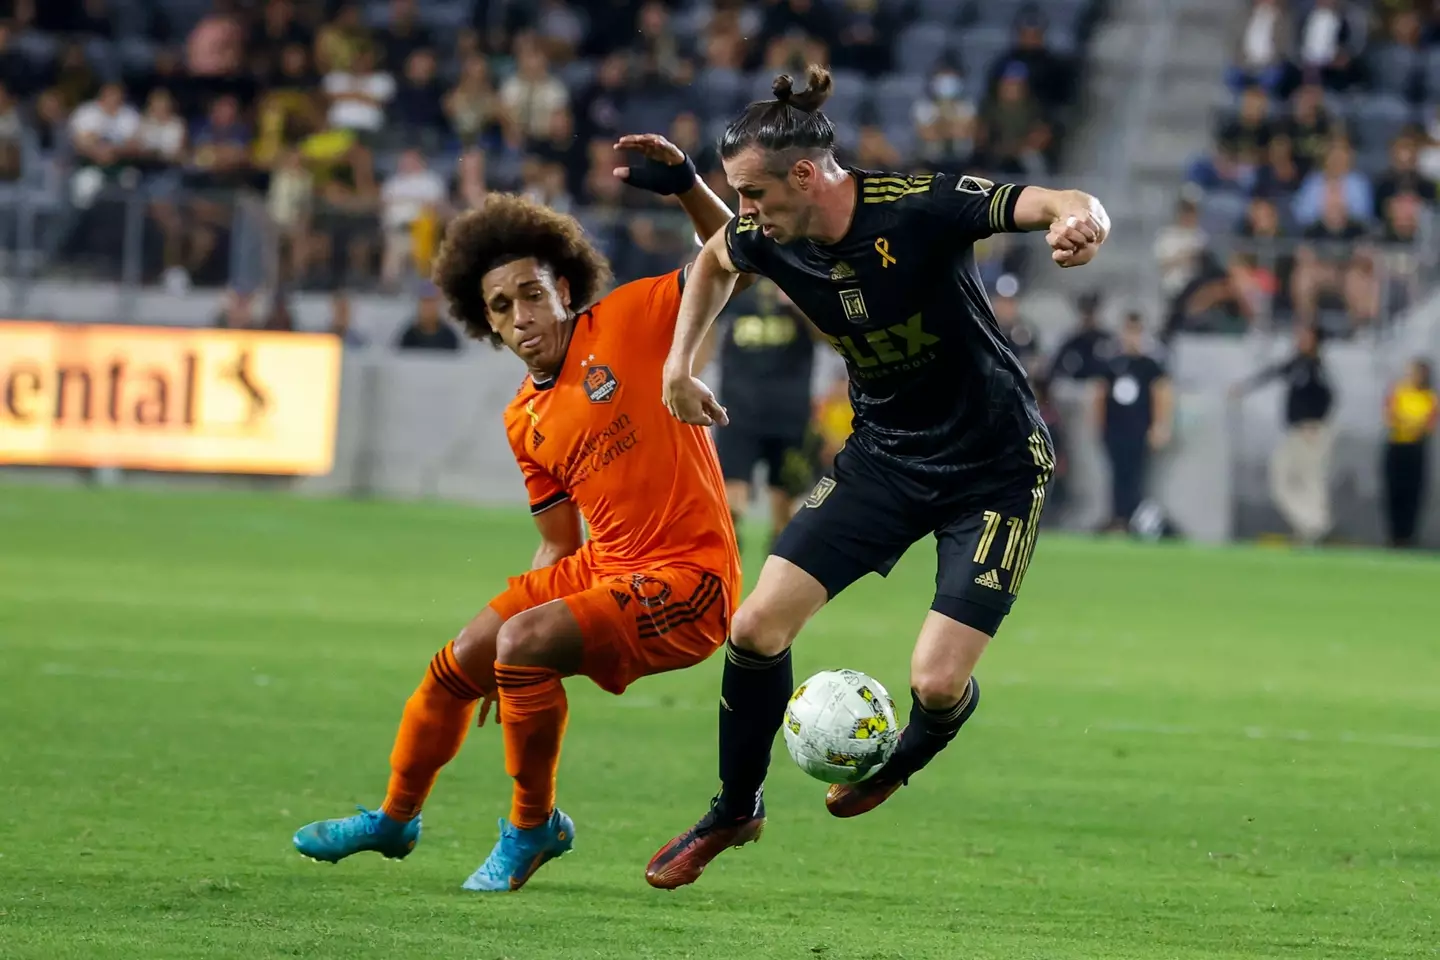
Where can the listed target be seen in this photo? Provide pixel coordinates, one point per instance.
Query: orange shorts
(634, 624)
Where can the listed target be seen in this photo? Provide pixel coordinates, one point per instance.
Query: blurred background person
(1300, 465)
(767, 359)
(1410, 414)
(1134, 409)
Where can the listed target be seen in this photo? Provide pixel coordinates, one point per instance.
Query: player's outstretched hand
(689, 400)
(1074, 241)
(663, 169)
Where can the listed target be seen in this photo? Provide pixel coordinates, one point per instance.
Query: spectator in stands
(1050, 75)
(75, 81)
(945, 122)
(1279, 175)
(290, 201)
(412, 191)
(1311, 128)
(340, 40)
(532, 95)
(475, 109)
(359, 96)
(417, 113)
(1411, 411)
(1220, 169)
(1325, 41)
(1333, 264)
(1404, 175)
(215, 49)
(403, 35)
(559, 29)
(1010, 121)
(1264, 48)
(1401, 251)
(1247, 134)
(660, 56)
(1338, 173)
(289, 108)
(1300, 465)
(160, 140)
(277, 29)
(102, 133)
(865, 30)
(874, 152)
(1265, 239)
(1406, 47)
(16, 74)
(429, 330)
(1178, 248)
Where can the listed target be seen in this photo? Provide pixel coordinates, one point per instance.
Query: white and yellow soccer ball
(840, 726)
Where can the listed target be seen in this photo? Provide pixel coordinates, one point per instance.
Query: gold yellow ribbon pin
(882, 247)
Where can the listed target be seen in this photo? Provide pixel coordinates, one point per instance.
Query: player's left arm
(1076, 222)
(666, 170)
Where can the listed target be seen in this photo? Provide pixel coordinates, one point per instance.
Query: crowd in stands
(356, 130)
(1314, 202)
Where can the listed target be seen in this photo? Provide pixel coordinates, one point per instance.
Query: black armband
(663, 178)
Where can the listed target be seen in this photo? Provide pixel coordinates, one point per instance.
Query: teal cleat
(334, 840)
(519, 853)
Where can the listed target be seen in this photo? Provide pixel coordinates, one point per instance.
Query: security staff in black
(767, 357)
(947, 435)
(1133, 405)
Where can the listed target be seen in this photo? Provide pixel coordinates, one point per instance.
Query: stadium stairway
(1154, 78)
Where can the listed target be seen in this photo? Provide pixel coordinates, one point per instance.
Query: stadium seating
(1380, 76)
(192, 222)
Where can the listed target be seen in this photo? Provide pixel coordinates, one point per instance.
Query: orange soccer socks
(432, 728)
(532, 701)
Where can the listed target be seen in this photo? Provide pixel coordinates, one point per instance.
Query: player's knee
(475, 646)
(535, 638)
(753, 630)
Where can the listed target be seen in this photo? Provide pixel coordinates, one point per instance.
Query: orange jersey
(648, 486)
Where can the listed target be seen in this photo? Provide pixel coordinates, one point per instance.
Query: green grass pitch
(1182, 753)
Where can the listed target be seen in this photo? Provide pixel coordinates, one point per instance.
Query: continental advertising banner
(175, 399)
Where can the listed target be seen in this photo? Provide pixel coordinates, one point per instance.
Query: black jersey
(935, 388)
(1129, 402)
(766, 359)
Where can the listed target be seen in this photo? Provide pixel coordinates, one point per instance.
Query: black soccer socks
(929, 732)
(753, 695)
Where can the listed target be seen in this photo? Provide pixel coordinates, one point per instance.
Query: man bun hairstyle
(503, 229)
(790, 125)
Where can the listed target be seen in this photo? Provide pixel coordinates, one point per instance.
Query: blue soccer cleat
(334, 840)
(519, 853)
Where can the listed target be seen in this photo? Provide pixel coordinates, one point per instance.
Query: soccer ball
(840, 726)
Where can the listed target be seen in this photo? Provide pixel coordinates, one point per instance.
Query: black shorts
(782, 448)
(864, 516)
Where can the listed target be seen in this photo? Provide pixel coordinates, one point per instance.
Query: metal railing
(130, 238)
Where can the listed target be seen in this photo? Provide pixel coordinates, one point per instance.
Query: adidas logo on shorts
(989, 579)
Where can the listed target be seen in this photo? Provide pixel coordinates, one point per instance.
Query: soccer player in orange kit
(653, 588)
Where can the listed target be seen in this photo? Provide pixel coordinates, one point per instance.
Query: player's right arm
(557, 518)
(711, 281)
(560, 534)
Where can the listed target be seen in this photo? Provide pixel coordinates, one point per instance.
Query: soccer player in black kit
(947, 437)
(767, 358)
